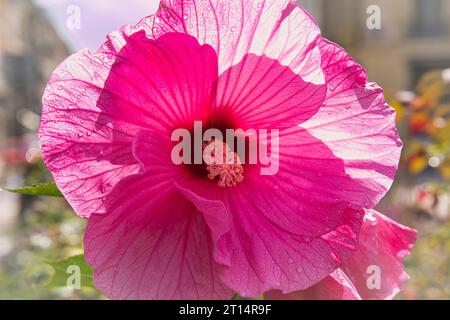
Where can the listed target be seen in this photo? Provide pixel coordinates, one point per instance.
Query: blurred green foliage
(429, 267)
(46, 232)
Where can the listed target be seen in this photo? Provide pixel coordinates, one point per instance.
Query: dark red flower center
(220, 162)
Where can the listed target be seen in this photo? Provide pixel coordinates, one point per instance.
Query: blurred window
(428, 21)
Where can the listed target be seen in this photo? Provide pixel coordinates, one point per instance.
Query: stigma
(222, 164)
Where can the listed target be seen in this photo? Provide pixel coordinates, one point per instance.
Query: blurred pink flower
(158, 230)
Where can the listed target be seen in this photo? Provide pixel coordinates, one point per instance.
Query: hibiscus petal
(86, 154)
(268, 56)
(266, 257)
(279, 30)
(153, 150)
(263, 256)
(217, 219)
(95, 104)
(357, 124)
(336, 286)
(306, 195)
(153, 244)
(266, 94)
(167, 82)
(383, 245)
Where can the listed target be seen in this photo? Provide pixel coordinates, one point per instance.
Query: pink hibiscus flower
(158, 230)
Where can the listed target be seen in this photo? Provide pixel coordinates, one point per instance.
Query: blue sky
(98, 18)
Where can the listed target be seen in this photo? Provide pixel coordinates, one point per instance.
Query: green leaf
(48, 189)
(71, 272)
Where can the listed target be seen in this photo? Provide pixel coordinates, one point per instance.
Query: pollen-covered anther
(223, 164)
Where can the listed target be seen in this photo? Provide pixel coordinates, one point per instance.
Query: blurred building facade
(29, 50)
(414, 36)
